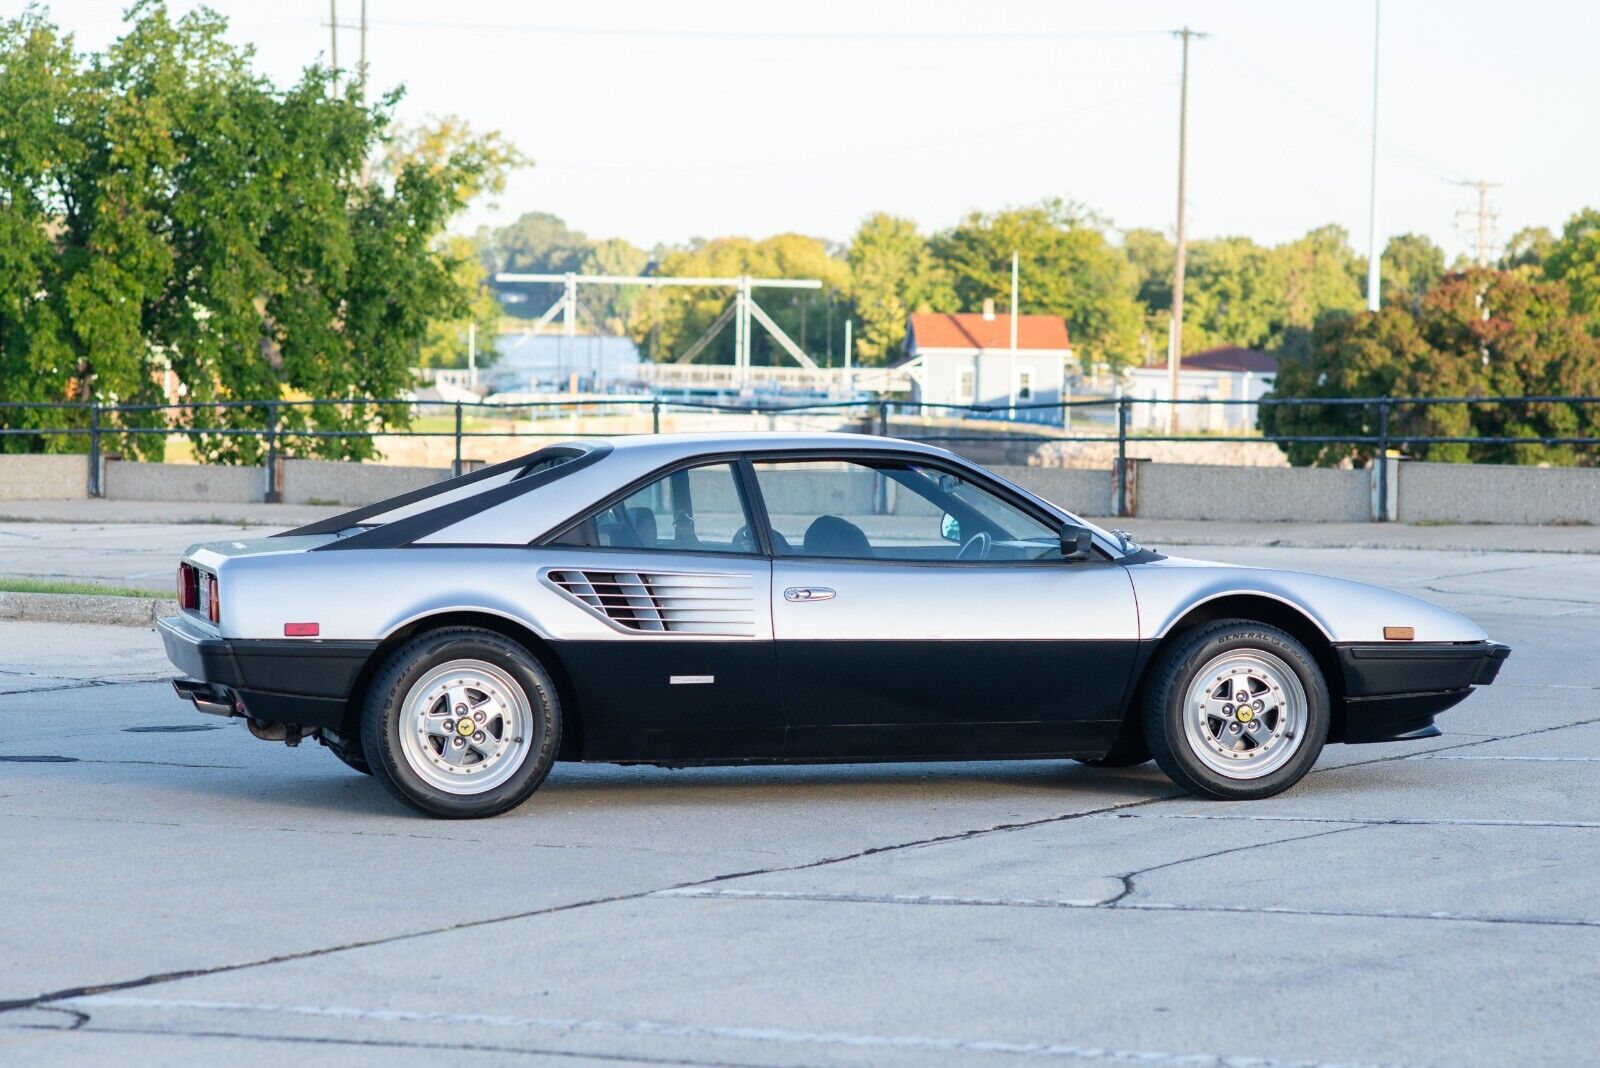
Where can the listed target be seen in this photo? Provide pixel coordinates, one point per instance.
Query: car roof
(496, 506)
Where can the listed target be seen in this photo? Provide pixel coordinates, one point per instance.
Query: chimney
(988, 309)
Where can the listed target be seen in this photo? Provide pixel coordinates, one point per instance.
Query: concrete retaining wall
(127, 480)
(1253, 494)
(44, 478)
(1419, 492)
(1490, 493)
(352, 484)
(1090, 493)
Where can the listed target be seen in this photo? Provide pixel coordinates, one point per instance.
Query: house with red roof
(968, 359)
(1226, 373)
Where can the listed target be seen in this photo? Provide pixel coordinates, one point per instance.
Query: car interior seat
(829, 535)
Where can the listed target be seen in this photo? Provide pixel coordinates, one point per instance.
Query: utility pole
(1175, 339)
(333, 34)
(1013, 389)
(1486, 217)
(1374, 254)
(472, 354)
(849, 359)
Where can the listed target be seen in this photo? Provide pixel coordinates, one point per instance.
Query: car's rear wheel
(1237, 710)
(461, 723)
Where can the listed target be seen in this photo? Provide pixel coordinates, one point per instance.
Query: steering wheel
(976, 547)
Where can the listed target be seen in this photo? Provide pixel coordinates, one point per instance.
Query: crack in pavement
(198, 972)
(1127, 879)
(655, 1029)
(399, 1044)
(321, 951)
(1107, 905)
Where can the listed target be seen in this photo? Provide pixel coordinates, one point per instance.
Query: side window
(698, 509)
(894, 510)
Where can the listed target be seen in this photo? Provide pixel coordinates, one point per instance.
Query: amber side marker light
(1399, 634)
(300, 630)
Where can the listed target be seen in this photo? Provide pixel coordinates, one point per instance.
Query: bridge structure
(742, 311)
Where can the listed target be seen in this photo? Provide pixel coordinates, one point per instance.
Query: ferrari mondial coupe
(750, 598)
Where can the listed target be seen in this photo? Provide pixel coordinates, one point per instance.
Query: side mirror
(950, 528)
(1077, 543)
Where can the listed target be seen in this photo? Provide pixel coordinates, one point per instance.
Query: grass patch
(23, 585)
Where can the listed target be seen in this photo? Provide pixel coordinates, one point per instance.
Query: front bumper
(306, 683)
(1392, 690)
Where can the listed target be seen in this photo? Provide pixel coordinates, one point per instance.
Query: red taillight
(214, 606)
(188, 587)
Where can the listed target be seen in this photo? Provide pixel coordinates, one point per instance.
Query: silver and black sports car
(726, 599)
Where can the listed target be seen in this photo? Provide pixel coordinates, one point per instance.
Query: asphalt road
(177, 892)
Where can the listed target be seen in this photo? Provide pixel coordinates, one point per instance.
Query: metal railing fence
(97, 422)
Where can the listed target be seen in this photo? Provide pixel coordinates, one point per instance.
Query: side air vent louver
(664, 602)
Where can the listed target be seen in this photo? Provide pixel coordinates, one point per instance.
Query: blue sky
(664, 121)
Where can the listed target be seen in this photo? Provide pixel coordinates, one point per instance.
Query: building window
(966, 385)
(1025, 385)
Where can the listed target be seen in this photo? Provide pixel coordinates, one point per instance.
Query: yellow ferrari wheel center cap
(1246, 715)
(464, 727)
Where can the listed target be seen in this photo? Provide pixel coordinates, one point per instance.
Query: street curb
(103, 609)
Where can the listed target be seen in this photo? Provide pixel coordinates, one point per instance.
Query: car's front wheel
(1236, 711)
(461, 723)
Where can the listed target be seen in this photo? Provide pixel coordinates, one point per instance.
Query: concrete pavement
(182, 893)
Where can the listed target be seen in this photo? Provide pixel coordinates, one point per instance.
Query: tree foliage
(1068, 267)
(1409, 267)
(893, 273)
(1478, 333)
(167, 214)
(1574, 259)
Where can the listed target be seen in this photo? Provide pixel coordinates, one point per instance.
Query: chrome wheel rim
(1244, 714)
(465, 727)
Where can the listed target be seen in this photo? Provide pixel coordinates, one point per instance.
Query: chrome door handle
(808, 593)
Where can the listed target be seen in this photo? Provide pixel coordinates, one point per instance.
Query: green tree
(172, 213)
(1574, 258)
(1231, 296)
(1527, 249)
(447, 340)
(1317, 274)
(1476, 333)
(1410, 266)
(1153, 259)
(1067, 268)
(892, 273)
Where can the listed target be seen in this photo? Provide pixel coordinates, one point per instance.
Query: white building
(1216, 374)
(962, 359)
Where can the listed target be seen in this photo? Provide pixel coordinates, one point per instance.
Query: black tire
(1179, 668)
(410, 664)
(347, 747)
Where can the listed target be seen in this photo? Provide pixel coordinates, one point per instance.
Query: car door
(918, 611)
(675, 661)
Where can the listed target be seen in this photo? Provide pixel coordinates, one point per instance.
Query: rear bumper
(307, 683)
(1393, 690)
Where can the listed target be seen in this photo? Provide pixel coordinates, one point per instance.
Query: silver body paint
(484, 563)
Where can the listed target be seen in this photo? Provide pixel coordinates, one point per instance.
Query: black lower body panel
(1393, 690)
(305, 683)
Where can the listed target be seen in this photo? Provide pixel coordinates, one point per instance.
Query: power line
(774, 35)
(843, 157)
(1239, 62)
